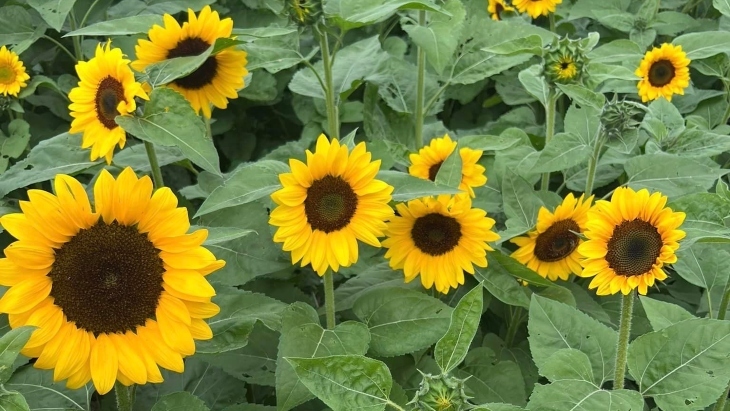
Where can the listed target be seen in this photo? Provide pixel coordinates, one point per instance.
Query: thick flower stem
(593, 164)
(514, 324)
(329, 298)
(125, 396)
(420, 87)
(720, 405)
(624, 331)
(333, 119)
(154, 165)
(549, 132)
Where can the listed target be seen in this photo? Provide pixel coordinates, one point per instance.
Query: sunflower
(12, 73)
(114, 291)
(221, 75)
(107, 89)
(439, 238)
(630, 239)
(328, 204)
(536, 8)
(565, 68)
(428, 161)
(664, 71)
(496, 7)
(551, 249)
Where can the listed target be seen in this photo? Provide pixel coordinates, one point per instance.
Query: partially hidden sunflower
(106, 89)
(536, 8)
(564, 69)
(12, 73)
(218, 79)
(439, 238)
(664, 71)
(630, 239)
(429, 159)
(114, 291)
(496, 7)
(329, 203)
(551, 249)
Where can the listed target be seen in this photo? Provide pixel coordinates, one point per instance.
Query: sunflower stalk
(154, 165)
(549, 131)
(593, 163)
(333, 119)
(125, 396)
(514, 323)
(624, 331)
(329, 298)
(420, 86)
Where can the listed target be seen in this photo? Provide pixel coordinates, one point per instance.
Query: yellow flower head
(221, 75)
(664, 71)
(630, 239)
(551, 249)
(565, 68)
(12, 73)
(115, 290)
(496, 7)
(329, 203)
(536, 8)
(107, 89)
(439, 238)
(429, 159)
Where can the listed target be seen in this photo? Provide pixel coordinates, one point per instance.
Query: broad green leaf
(391, 313)
(355, 13)
(583, 96)
(686, 175)
(663, 314)
(684, 366)
(579, 395)
(406, 187)
(36, 82)
(617, 51)
(704, 265)
(180, 401)
(16, 27)
(451, 349)
(42, 393)
(440, 37)
(303, 336)
(449, 174)
(520, 201)
(531, 44)
(706, 215)
(704, 44)
(489, 143)
(13, 146)
(169, 120)
(554, 326)
(493, 379)
(10, 345)
(345, 382)
(497, 407)
(166, 71)
(372, 277)
(13, 401)
(567, 364)
(565, 150)
(246, 184)
(535, 84)
(723, 6)
(135, 156)
(275, 49)
(119, 27)
(698, 143)
(53, 12)
(502, 285)
(217, 235)
(518, 270)
(584, 122)
(663, 115)
(600, 72)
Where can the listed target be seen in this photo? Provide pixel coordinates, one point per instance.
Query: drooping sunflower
(221, 75)
(428, 161)
(536, 8)
(115, 290)
(329, 203)
(664, 71)
(12, 73)
(551, 249)
(630, 239)
(496, 7)
(439, 238)
(107, 89)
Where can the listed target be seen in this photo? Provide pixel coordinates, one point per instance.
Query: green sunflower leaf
(450, 172)
(119, 27)
(663, 314)
(703, 264)
(350, 14)
(440, 37)
(493, 378)
(13, 401)
(42, 393)
(406, 187)
(10, 345)
(180, 401)
(53, 12)
(579, 395)
(451, 349)
(704, 44)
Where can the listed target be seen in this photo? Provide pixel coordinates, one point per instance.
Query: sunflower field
(364, 205)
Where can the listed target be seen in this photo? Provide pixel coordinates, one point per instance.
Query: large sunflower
(630, 239)
(114, 291)
(536, 8)
(12, 73)
(328, 204)
(106, 90)
(439, 238)
(551, 249)
(496, 7)
(664, 71)
(221, 75)
(428, 161)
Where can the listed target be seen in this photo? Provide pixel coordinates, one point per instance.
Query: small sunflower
(107, 89)
(536, 8)
(328, 204)
(551, 249)
(564, 69)
(221, 75)
(114, 291)
(496, 7)
(664, 71)
(630, 239)
(439, 238)
(12, 73)
(428, 161)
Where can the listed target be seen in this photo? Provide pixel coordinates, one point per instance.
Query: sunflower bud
(564, 61)
(305, 12)
(441, 393)
(619, 116)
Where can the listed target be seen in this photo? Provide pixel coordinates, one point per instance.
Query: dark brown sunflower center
(661, 73)
(436, 234)
(330, 204)
(433, 170)
(107, 278)
(203, 75)
(108, 95)
(557, 242)
(498, 9)
(564, 65)
(633, 248)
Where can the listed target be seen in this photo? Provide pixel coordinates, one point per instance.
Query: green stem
(125, 396)
(420, 86)
(549, 131)
(329, 298)
(88, 11)
(333, 118)
(593, 164)
(514, 324)
(723, 305)
(154, 165)
(396, 406)
(76, 39)
(624, 331)
(720, 405)
(552, 22)
(60, 46)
